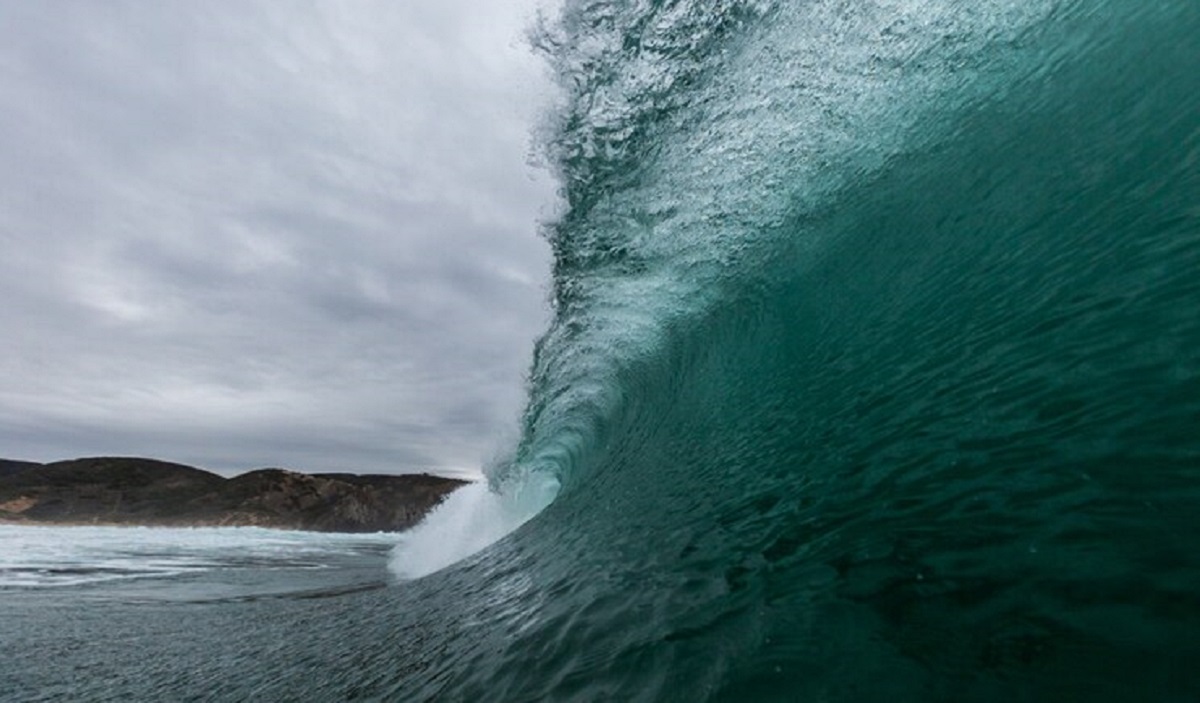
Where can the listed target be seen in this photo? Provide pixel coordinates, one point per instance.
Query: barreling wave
(696, 144)
(874, 367)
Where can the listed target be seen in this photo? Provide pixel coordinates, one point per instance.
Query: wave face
(875, 367)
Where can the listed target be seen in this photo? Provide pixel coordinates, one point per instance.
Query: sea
(873, 375)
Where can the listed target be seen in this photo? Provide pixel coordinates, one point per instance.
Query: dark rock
(132, 491)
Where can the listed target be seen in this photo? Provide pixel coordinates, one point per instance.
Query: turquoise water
(874, 375)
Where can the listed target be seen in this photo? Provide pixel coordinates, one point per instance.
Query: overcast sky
(239, 233)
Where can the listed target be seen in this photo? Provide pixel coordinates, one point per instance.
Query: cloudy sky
(244, 233)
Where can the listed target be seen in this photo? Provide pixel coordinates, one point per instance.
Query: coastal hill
(133, 491)
(8, 466)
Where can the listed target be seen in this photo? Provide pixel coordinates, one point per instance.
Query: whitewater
(873, 374)
(185, 563)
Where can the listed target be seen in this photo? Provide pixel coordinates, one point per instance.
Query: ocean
(874, 374)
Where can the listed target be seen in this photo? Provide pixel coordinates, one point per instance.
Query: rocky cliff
(132, 491)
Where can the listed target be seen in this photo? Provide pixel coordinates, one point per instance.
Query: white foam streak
(472, 518)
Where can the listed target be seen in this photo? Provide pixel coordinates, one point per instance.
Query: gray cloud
(248, 233)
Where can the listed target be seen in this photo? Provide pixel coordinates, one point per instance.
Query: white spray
(472, 518)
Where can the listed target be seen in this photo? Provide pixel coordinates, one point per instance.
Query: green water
(874, 375)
